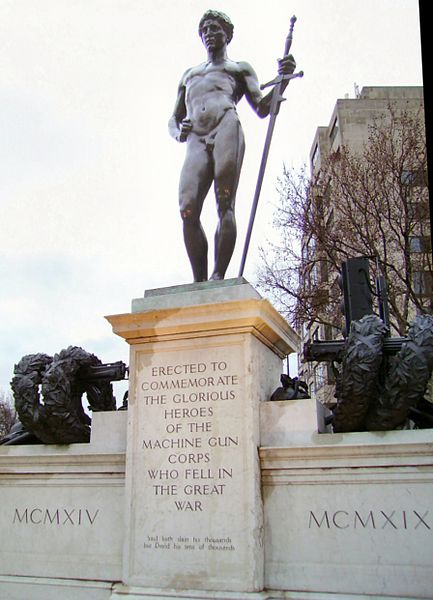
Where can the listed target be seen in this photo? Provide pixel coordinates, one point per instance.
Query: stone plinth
(62, 508)
(282, 422)
(202, 359)
(350, 513)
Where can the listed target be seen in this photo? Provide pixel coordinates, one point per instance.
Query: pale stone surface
(344, 514)
(348, 512)
(122, 592)
(196, 514)
(62, 507)
(198, 374)
(109, 431)
(38, 588)
(250, 315)
(284, 420)
(209, 292)
(35, 588)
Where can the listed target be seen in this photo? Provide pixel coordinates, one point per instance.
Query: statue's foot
(216, 277)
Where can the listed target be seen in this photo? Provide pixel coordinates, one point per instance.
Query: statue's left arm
(261, 104)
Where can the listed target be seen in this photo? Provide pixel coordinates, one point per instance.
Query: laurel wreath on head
(48, 391)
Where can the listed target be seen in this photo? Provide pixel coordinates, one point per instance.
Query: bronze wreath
(60, 419)
(407, 377)
(357, 384)
(377, 393)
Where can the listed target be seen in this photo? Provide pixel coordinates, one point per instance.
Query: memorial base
(346, 516)
(202, 359)
(353, 512)
(40, 588)
(204, 490)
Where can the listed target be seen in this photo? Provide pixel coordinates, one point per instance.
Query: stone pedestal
(349, 514)
(171, 505)
(202, 359)
(62, 512)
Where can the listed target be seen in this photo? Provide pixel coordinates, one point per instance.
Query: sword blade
(276, 100)
(257, 191)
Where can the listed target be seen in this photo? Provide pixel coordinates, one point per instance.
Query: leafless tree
(8, 415)
(372, 202)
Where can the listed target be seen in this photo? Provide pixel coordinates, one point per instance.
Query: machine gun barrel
(116, 371)
(322, 351)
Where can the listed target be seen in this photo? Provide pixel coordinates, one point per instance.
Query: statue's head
(222, 19)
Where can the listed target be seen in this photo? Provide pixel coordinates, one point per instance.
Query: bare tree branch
(372, 202)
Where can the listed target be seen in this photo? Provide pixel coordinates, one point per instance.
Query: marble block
(62, 507)
(350, 513)
(43, 588)
(198, 372)
(283, 421)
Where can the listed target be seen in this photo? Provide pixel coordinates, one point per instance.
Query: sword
(280, 84)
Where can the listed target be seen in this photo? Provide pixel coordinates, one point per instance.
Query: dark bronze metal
(280, 84)
(61, 381)
(380, 380)
(292, 389)
(324, 351)
(116, 371)
(205, 118)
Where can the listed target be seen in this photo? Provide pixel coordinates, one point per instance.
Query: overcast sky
(88, 172)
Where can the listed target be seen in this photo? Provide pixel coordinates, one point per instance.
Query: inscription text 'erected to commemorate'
(194, 458)
(188, 456)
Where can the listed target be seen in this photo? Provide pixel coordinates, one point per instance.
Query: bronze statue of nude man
(205, 118)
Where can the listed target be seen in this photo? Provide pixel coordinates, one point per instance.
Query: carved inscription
(169, 542)
(372, 519)
(187, 400)
(191, 449)
(54, 516)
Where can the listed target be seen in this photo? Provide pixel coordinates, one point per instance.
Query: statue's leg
(195, 180)
(228, 155)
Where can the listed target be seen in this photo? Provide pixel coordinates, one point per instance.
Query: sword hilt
(281, 78)
(289, 37)
(287, 47)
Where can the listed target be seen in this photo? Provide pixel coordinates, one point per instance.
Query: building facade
(350, 127)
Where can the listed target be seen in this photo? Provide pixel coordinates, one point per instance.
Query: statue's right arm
(178, 125)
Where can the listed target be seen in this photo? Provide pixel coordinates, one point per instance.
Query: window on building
(315, 333)
(418, 211)
(414, 178)
(420, 243)
(334, 131)
(319, 377)
(316, 156)
(310, 249)
(331, 217)
(327, 332)
(324, 271)
(423, 283)
(314, 277)
(330, 374)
